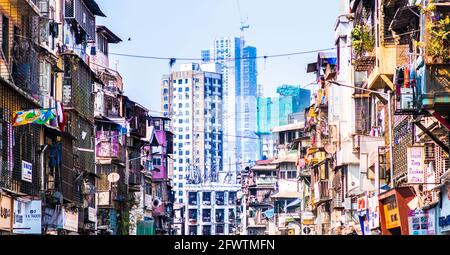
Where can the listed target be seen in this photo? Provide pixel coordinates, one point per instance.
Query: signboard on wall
(92, 214)
(422, 222)
(374, 214)
(392, 215)
(27, 171)
(27, 217)
(103, 198)
(416, 167)
(5, 212)
(362, 204)
(70, 220)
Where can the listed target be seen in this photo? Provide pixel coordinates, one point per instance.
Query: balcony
(383, 70)
(321, 191)
(83, 12)
(266, 181)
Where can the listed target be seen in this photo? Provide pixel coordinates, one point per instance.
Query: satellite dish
(113, 177)
(156, 203)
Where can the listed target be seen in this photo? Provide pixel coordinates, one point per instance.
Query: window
(186, 81)
(180, 81)
(180, 169)
(166, 91)
(180, 105)
(181, 138)
(156, 161)
(180, 145)
(186, 89)
(180, 161)
(206, 215)
(220, 216)
(187, 137)
(166, 107)
(180, 193)
(180, 185)
(180, 200)
(186, 105)
(206, 198)
(187, 153)
(5, 36)
(220, 197)
(188, 160)
(192, 198)
(180, 89)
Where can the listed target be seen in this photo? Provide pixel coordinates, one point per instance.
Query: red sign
(362, 203)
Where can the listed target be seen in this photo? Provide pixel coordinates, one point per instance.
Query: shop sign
(416, 166)
(5, 212)
(27, 171)
(422, 222)
(362, 204)
(103, 198)
(70, 221)
(444, 215)
(444, 223)
(27, 217)
(392, 215)
(92, 214)
(374, 214)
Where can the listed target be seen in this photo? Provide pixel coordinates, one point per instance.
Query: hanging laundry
(406, 77)
(412, 76)
(37, 116)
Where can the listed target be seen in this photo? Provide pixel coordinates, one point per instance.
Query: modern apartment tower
(275, 111)
(238, 67)
(192, 97)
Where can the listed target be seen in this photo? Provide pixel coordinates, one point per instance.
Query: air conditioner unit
(44, 7)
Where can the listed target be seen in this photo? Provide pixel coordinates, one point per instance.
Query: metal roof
(94, 8)
(112, 38)
(295, 126)
(265, 168)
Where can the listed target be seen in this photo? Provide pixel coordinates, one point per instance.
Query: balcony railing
(388, 58)
(321, 191)
(266, 181)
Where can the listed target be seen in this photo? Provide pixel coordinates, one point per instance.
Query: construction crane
(244, 23)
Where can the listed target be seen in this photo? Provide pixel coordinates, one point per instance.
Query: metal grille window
(402, 139)
(17, 144)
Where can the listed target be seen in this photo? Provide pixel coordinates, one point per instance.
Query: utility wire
(221, 59)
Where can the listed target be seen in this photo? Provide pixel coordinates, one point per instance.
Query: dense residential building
(275, 111)
(211, 209)
(74, 150)
(163, 198)
(193, 98)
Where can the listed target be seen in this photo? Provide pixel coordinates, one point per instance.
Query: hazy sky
(182, 28)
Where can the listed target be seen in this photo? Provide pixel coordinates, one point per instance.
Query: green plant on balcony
(362, 39)
(438, 29)
(438, 46)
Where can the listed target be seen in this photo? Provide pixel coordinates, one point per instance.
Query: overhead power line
(221, 59)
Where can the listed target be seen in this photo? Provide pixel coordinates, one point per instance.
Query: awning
(294, 203)
(295, 126)
(287, 194)
(112, 38)
(265, 168)
(292, 158)
(94, 8)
